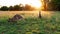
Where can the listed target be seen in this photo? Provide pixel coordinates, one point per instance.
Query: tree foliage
(4, 8)
(11, 8)
(54, 5)
(17, 8)
(28, 7)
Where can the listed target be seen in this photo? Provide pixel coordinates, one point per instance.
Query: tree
(4, 8)
(16, 8)
(28, 8)
(11, 8)
(21, 7)
(54, 5)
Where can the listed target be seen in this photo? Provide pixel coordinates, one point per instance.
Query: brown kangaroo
(15, 18)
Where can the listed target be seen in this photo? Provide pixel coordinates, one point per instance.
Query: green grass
(31, 26)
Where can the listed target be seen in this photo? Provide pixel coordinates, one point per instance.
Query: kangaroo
(15, 18)
(39, 14)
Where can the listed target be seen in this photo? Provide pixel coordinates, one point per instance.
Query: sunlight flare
(34, 3)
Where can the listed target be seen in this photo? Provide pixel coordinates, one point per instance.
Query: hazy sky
(14, 2)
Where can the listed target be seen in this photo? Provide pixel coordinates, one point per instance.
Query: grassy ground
(31, 25)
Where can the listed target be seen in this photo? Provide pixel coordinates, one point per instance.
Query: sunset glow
(34, 3)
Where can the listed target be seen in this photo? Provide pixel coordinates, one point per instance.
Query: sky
(35, 3)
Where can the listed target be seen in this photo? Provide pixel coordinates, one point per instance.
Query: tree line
(17, 8)
(53, 5)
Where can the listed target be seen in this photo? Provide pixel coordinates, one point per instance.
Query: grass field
(23, 13)
(31, 25)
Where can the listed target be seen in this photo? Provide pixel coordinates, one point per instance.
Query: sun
(36, 3)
